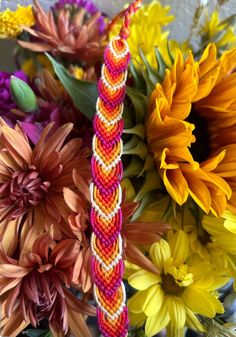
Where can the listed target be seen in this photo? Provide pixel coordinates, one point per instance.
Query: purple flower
(88, 5)
(6, 102)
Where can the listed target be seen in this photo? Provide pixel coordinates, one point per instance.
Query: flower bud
(23, 95)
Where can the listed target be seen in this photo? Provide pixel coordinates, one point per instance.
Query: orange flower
(32, 181)
(36, 287)
(189, 112)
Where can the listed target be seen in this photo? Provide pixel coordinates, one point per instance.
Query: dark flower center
(204, 238)
(24, 190)
(200, 150)
(170, 286)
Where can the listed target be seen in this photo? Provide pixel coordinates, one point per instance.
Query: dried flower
(37, 287)
(78, 38)
(32, 180)
(88, 5)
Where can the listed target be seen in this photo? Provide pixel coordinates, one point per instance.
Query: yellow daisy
(184, 287)
(195, 103)
(146, 31)
(11, 22)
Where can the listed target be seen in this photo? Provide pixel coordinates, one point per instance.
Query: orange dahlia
(32, 181)
(189, 114)
(36, 286)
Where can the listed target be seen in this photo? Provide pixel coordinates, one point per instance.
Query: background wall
(183, 9)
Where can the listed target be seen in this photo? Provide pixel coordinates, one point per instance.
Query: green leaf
(147, 200)
(37, 333)
(134, 168)
(84, 94)
(152, 182)
(161, 64)
(138, 130)
(139, 102)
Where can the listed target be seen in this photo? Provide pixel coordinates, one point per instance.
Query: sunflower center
(24, 190)
(200, 149)
(170, 286)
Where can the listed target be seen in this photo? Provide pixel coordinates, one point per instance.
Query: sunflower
(146, 31)
(188, 113)
(171, 298)
(32, 180)
(35, 286)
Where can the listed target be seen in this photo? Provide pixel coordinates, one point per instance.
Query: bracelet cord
(105, 189)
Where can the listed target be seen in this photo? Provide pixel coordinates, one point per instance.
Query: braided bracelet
(106, 193)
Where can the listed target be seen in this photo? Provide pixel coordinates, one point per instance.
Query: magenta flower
(6, 101)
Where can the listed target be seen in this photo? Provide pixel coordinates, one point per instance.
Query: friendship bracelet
(106, 192)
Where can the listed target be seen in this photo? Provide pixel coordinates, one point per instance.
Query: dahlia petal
(55, 142)
(157, 322)
(9, 240)
(7, 270)
(177, 311)
(11, 299)
(15, 141)
(134, 255)
(79, 305)
(14, 325)
(73, 200)
(77, 324)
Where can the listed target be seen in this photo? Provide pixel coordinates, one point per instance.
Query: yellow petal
(202, 302)
(153, 301)
(179, 246)
(160, 253)
(136, 301)
(192, 322)
(157, 322)
(143, 279)
(177, 312)
(176, 185)
(137, 319)
(230, 221)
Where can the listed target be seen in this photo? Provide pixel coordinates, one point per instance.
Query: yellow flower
(146, 31)
(222, 231)
(220, 32)
(185, 286)
(11, 22)
(77, 72)
(193, 106)
(32, 66)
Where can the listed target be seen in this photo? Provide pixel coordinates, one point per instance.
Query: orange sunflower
(32, 181)
(188, 125)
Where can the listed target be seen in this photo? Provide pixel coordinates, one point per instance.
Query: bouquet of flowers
(74, 219)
